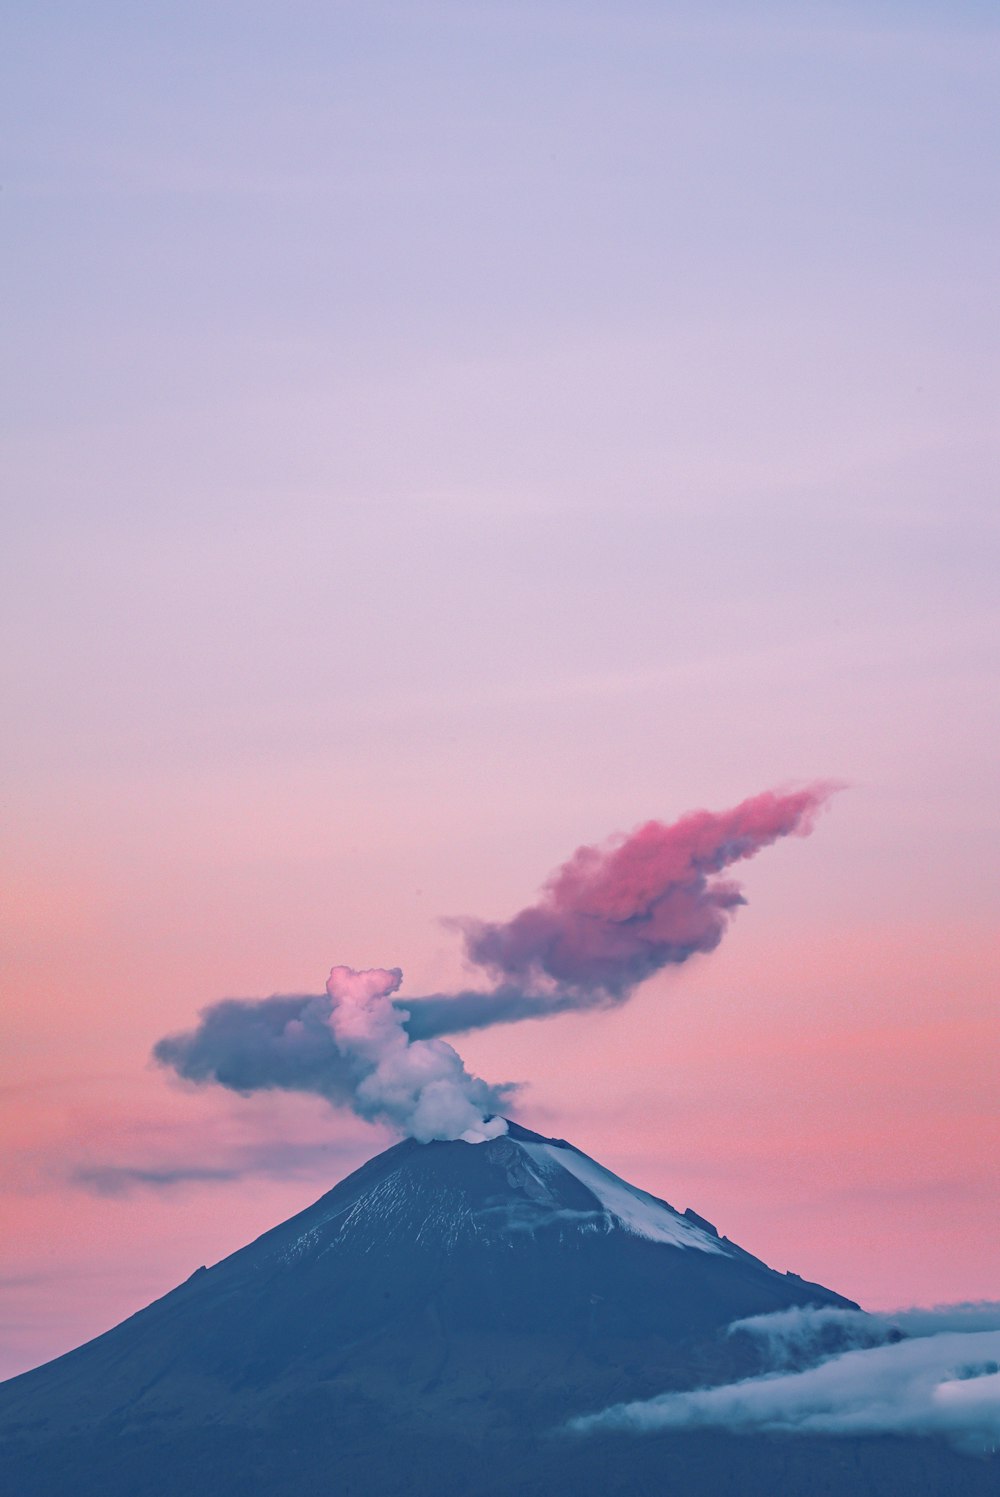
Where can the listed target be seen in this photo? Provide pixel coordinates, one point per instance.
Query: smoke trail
(612, 916)
(349, 1046)
(606, 920)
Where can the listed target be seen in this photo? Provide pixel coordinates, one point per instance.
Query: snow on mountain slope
(625, 1204)
(493, 1192)
(459, 1297)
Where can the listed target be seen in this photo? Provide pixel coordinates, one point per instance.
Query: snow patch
(641, 1214)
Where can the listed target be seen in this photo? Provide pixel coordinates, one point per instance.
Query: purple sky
(440, 436)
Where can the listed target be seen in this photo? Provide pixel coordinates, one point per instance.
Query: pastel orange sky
(439, 440)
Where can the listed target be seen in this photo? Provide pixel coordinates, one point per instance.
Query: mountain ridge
(520, 1236)
(444, 1309)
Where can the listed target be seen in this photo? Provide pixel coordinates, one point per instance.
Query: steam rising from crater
(348, 1045)
(610, 917)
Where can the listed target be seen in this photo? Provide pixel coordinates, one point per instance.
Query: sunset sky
(441, 434)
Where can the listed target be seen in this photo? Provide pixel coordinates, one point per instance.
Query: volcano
(429, 1326)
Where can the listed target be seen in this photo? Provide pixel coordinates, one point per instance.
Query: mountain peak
(459, 1194)
(507, 1284)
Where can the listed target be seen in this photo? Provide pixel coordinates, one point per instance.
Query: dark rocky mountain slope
(428, 1326)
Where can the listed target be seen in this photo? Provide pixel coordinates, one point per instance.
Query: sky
(440, 435)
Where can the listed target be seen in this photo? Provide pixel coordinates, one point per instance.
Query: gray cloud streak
(272, 1159)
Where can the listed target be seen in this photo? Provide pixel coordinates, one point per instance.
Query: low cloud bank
(935, 1373)
(807, 1334)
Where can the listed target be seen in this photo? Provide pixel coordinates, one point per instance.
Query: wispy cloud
(119, 1145)
(274, 1159)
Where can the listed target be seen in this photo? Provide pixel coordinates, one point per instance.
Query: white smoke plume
(612, 916)
(419, 1086)
(936, 1381)
(349, 1045)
